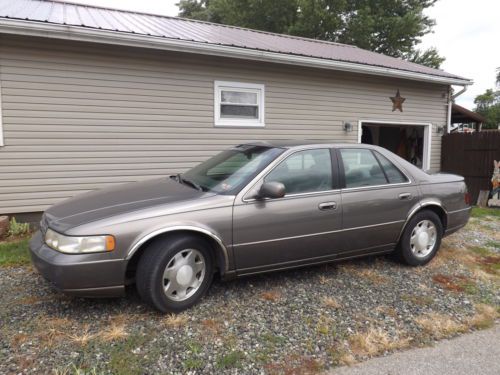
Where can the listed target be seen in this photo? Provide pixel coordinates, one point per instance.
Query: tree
(429, 57)
(488, 105)
(391, 27)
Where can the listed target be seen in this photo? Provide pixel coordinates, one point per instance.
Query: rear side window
(361, 168)
(394, 175)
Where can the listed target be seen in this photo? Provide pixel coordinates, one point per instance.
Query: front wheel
(175, 272)
(421, 239)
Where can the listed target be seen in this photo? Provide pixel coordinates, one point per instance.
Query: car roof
(291, 143)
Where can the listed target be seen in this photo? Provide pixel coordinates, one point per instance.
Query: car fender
(426, 202)
(191, 227)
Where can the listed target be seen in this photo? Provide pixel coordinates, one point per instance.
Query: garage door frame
(426, 152)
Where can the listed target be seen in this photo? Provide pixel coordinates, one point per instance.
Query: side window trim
(340, 164)
(381, 166)
(261, 179)
(342, 183)
(336, 179)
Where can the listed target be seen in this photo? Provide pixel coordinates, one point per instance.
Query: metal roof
(460, 114)
(16, 16)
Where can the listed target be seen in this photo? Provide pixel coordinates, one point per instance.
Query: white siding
(79, 116)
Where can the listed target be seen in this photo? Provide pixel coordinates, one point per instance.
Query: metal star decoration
(397, 102)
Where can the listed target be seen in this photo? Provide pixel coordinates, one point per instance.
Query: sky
(467, 33)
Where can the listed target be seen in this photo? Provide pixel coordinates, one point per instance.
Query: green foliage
(18, 229)
(482, 212)
(232, 359)
(14, 253)
(123, 361)
(192, 363)
(429, 57)
(488, 105)
(391, 27)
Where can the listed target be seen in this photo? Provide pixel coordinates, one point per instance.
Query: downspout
(450, 104)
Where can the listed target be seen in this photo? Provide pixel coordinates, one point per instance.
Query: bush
(18, 229)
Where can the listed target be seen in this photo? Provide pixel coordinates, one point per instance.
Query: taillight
(467, 198)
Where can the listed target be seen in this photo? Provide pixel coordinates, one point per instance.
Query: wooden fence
(471, 155)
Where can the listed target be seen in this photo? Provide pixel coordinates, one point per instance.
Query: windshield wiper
(185, 181)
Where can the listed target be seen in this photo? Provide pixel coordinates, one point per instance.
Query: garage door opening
(409, 141)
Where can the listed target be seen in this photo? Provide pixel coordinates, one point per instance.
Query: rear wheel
(175, 272)
(421, 239)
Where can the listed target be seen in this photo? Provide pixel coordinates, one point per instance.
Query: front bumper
(78, 274)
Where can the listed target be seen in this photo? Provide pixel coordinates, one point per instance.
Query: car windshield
(229, 171)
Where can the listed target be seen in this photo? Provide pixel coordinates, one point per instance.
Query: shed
(92, 97)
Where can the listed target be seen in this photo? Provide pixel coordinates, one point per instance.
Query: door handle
(327, 206)
(404, 196)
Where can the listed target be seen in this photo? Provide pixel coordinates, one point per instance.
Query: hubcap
(184, 274)
(423, 238)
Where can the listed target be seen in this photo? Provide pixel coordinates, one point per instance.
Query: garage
(411, 141)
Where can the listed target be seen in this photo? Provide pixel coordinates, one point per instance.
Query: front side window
(229, 171)
(361, 168)
(239, 104)
(304, 172)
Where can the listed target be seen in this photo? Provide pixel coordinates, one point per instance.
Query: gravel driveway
(294, 322)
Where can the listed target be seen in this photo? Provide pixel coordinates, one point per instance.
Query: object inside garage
(407, 141)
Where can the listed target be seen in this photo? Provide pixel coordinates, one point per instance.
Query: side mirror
(272, 189)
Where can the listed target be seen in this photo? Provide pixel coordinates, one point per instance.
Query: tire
(175, 272)
(415, 248)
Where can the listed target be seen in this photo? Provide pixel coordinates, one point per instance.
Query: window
(361, 168)
(394, 175)
(239, 104)
(304, 171)
(230, 170)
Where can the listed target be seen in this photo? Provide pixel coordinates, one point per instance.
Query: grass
(272, 296)
(230, 360)
(295, 364)
(440, 325)
(375, 341)
(176, 321)
(123, 359)
(494, 244)
(484, 317)
(480, 212)
(331, 303)
(115, 332)
(191, 364)
(14, 253)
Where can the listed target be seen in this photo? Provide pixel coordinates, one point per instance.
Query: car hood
(121, 199)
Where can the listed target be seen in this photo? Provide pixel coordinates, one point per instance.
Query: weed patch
(440, 325)
(375, 341)
(230, 360)
(14, 253)
(272, 296)
(479, 212)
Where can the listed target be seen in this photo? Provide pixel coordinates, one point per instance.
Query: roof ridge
(319, 41)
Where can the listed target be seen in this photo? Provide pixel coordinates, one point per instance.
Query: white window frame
(258, 89)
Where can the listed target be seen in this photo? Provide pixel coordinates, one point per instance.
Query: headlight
(79, 245)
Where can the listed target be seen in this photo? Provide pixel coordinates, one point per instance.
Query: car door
(300, 227)
(376, 197)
